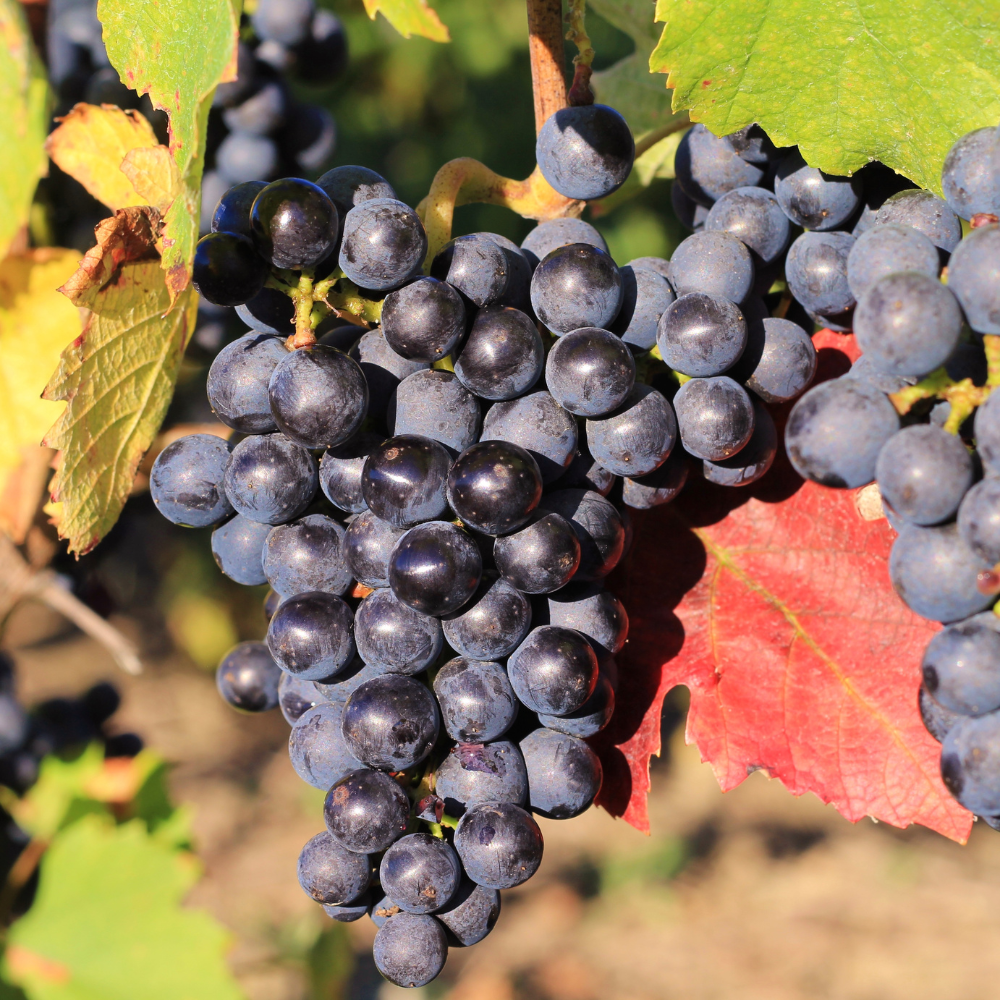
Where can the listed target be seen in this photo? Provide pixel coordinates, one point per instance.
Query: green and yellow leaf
(117, 377)
(410, 17)
(36, 323)
(108, 924)
(177, 51)
(847, 82)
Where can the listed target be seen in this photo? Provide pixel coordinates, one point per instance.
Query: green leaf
(24, 105)
(107, 923)
(410, 17)
(177, 51)
(848, 81)
(118, 376)
(628, 86)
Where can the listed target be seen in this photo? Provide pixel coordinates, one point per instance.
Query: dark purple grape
(319, 396)
(270, 479)
(813, 199)
(186, 481)
(593, 611)
(226, 269)
(970, 763)
(383, 244)
(961, 668)
(435, 404)
(435, 568)
(347, 913)
(232, 213)
(365, 811)
(476, 700)
(715, 417)
(701, 335)
(645, 295)
(393, 637)
(424, 320)
(637, 437)
(340, 471)
(925, 211)
(576, 286)
(519, 270)
(564, 774)
(554, 233)
(591, 717)
(885, 249)
(707, 166)
(816, 269)
(306, 555)
(503, 355)
(367, 546)
(296, 697)
(283, 21)
(383, 369)
(779, 361)
(312, 635)
(238, 548)
(473, 774)
(660, 486)
(714, 263)
(491, 624)
(261, 113)
(475, 265)
(410, 949)
(470, 914)
(979, 519)
(539, 425)
(554, 670)
(585, 152)
(598, 527)
(237, 382)
(755, 218)
(391, 722)
(316, 745)
(420, 873)
(269, 311)
(295, 224)
(351, 185)
(753, 460)
(936, 720)
(499, 844)
(689, 213)
(541, 557)
(338, 689)
(590, 371)
(247, 678)
(330, 874)
(405, 480)
(494, 486)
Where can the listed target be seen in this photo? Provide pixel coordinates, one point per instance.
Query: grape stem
(964, 396)
(580, 92)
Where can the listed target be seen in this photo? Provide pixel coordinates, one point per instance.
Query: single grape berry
(237, 382)
(970, 763)
(753, 460)
(393, 637)
(475, 265)
(499, 844)
(585, 152)
(715, 263)
(707, 167)
(473, 774)
(593, 611)
(405, 479)
(391, 722)
(575, 286)
(816, 269)
(410, 949)
(330, 874)
(424, 320)
(383, 369)
(813, 199)
(186, 481)
(538, 424)
(306, 555)
(383, 244)
(365, 811)
(979, 519)
(270, 478)
(238, 549)
(591, 717)
(715, 417)
(476, 700)
(646, 294)
(227, 270)
(658, 487)
(590, 371)
(836, 431)
(564, 774)
(503, 355)
(888, 248)
(541, 557)
(316, 744)
(312, 635)
(491, 624)
(973, 273)
(420, 873)
(341, 468)
(554, 670)
(961, 668)
(367, 546)
(232, 213)
(435, 404)
(435, 568)
(470, 914)
(701, 335)
(554, 233)
(347, 913)
(755, 218)
(968, 177)
(598, 526)
(351, 185)
(779, 361)
(936, 720)
(494, 486)
(319, 396)
(294, 222)
(269, 311)
(247, 678)
(637, 437)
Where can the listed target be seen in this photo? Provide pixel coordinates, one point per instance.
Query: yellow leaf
(91, 144)
(153, 175)
(409, 17)
(36, 323)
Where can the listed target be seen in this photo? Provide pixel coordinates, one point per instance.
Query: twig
(650, 139)
(545, 45)
(580, 92)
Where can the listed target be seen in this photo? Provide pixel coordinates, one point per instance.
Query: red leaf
(773, 606)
